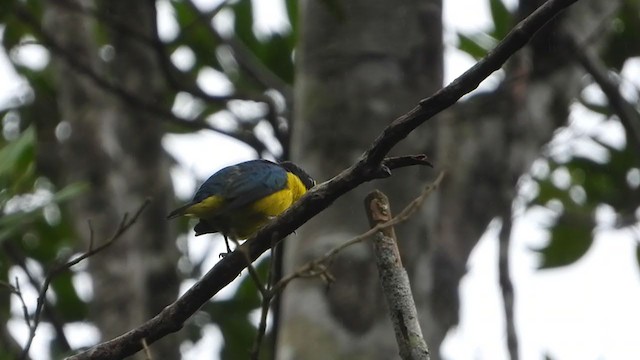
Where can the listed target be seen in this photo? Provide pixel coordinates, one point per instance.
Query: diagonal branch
(629, 116)
(372, 165)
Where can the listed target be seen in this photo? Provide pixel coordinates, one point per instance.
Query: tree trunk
(117, 150)
(360, 66)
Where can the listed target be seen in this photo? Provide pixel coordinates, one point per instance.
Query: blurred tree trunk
(117, 150)
(360, 66)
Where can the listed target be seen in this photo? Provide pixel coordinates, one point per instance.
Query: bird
(240, 199)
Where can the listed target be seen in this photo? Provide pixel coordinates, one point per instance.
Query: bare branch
(16, 291)
(16, 255)
(147, 351)
(267, 297)
(506, 286)
(627, 113)
(125, 224)
(320, 265)
(368, 167)
(395, 281)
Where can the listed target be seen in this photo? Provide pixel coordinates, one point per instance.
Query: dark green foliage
(478, 44)
(502, 19)
(233, 316)
(571, 238)
(26, 234)
(49, 240)
(593, 183)
(472, 46)
(196, 37)
(625, 40)
(602, 184)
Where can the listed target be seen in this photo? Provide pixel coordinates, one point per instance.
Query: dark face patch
(306, 179)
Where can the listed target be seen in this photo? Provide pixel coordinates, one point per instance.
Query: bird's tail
(179, 211)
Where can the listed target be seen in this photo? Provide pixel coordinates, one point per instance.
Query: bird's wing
(253, 182)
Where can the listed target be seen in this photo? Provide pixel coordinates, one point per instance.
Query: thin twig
(16, 255)
(125, 224)
(262, 326)
(265, 304)
(319, 266)
(15, 289)
(601, 74)
(147, 351)
(252, 270)
(506, 285)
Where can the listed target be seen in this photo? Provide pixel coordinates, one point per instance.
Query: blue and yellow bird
(239, 199)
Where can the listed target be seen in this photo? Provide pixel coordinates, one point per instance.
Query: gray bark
(359, 68)
(117, 150)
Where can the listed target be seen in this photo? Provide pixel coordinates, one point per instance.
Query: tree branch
(49, 311)
(395, 281)
(132, 99)
(629, 116)
(506, 285)
(125, 224)
(319, 266)
(369, 167)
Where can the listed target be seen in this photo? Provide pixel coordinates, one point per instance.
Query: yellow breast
(246, 221)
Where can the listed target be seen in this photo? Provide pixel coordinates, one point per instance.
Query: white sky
(588, 310)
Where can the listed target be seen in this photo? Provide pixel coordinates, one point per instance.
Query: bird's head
(306, 179)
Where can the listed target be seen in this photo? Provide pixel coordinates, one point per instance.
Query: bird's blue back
(244, 183)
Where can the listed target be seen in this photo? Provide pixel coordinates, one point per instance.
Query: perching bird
(239, 199)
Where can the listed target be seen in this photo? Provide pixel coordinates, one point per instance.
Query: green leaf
(638, 252)
(243, 25)
(571, 238)
(195, 35)
(232, 316)
(501, 19)
(15, 223)
(16, 156)
(237, 331)
(14, 32)
(471, 46)
(68, 303)
(624, 41)
(292, 12)
(276, 54)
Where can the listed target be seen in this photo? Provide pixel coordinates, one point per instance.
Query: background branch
(125, 224)
(506, 285)
(395, 280)
(629, 116)
(150, 107)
